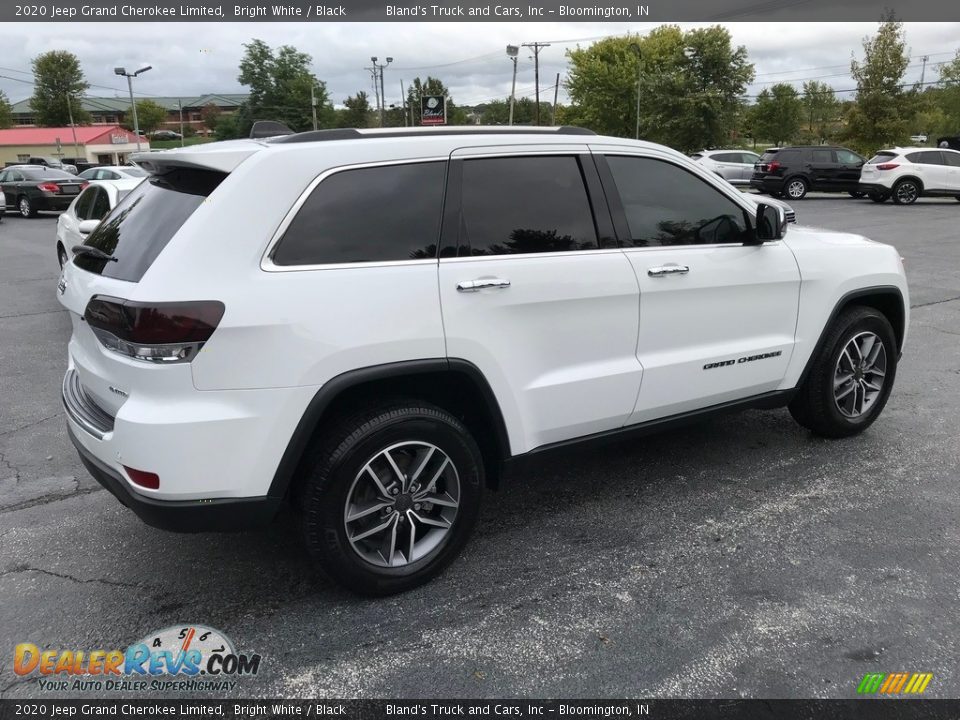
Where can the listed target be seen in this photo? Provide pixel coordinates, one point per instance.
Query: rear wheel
(795, 188)
(61, 255)
(25, 207)
(855, 194)
(878, 197)
(851, 378)
(391, 496)
(906, 192)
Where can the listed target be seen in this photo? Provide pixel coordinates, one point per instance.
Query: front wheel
(906, 192)
(855, 194)
(795, 188)
(26, 209)
(879, 197)
(391, 496)
(851, 377)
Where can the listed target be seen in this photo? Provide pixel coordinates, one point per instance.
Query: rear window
(41, 173)
(142, 224)
(881, 157)
(769, 156)
(135, 171)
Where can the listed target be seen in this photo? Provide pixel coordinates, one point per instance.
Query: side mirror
(771, 222)
(87, 226)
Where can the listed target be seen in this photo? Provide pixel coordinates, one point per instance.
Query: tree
(226, 128)
(776, 114)
(280, 85)
(210, 114)
(150, 116)
(6, 112)
(879, 116)
(356, 112)
(497, 112)
(948, 95)
(432, 86)
(820, 110)
(690, 84)
(57, 78)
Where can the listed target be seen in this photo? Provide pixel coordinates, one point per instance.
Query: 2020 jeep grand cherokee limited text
(395, 319)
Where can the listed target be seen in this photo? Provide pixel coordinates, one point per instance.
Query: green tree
(948, 96)
(497, 112)
(57, 78)
(210, 114)
(6, 112)
(879, 117)
(356, 112)
(820, 110)
(280, 82)
(150, 116)
(226, 128)
(433, 86)
(690, 84)
(776, 114)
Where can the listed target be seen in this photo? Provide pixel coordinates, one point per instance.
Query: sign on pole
(433, 110)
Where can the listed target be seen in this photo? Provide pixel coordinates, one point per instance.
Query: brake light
(48, 187)
(145, 479)
(83, 186)
(773, 167)
(153, 332)
(887, 166)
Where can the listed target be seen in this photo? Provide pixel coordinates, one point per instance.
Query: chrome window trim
(266, 260)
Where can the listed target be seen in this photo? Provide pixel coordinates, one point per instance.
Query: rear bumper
(767, 184)
(189, 516)
(874, 188)
(52, 202)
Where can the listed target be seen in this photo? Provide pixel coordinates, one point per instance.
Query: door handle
(668, 269)
(482, 284)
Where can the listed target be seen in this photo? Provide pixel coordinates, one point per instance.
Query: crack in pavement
(10, 466)
(30, 425)
(935, 302)
(17, 569)
(42, 312)
(47, 499)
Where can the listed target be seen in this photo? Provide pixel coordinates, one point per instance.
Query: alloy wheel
(859, 374)
(24, 207)
(402, 504)
(796, 189)
(907, 192)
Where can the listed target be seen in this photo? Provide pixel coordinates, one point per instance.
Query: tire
(335, 483)
(879, 197)
(834, 410)
(62, 256)
(795, 188)
(856, 194)
(906, 192)
(955, 197)
(26, 207)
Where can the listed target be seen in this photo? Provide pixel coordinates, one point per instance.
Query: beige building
(98, 144)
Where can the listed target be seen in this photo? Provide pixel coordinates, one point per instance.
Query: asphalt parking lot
(741, 557)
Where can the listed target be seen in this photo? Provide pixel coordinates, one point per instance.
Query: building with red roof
(101, 144)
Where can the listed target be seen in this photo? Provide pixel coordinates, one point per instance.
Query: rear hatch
(874, 167)
(52, 181)
(117, 341)
(762, 165)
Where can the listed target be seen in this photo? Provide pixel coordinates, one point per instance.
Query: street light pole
(133, 104)
(512, 52)
(379, 69)
(636, 49)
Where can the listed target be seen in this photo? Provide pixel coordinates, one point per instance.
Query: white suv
(906, 174)
(378, 325)
(734, 166)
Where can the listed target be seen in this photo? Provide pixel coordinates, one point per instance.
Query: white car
(736, 166)
(114, 172)
(906, 174)
(918, 138)
(3, 204)
(378, 326)
(84, 214)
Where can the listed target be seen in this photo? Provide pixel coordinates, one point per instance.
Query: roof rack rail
(354, 133)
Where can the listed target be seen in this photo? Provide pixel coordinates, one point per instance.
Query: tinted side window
(727, 157)
(821, 156)
(666, 205)
(787, 157)
(848, 158)
(375, 214)
(84, 203)
(514, 205)
(750, 158)
(101, 205)
(952, 159)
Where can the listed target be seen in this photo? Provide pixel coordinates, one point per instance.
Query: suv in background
(378, 325)
(793, 171)
(906, 174)
(734, 166)
(51, 162)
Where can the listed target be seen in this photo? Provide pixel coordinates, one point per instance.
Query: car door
(934, 171)
(11, 186)
(849, 166)
(728, 165)
(717, 312)
(536, 293)
(747, 162)
(951, 161)
(822, 168)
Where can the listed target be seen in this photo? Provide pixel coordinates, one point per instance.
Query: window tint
(769, 156)
(101, 205)
(881, 157)
(88, 174)
(666, 205)
(139, 228)
(821, 156)
(375, 214)
(848, 158)
(134, 171)
(787, 157)
(516, 205)
(750, 158)
(84, 203)
(929, 157)
(45, 173)
(951, 158)
(3, 176)
(727, 157)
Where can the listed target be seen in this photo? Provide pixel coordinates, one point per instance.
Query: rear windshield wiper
(95, 252)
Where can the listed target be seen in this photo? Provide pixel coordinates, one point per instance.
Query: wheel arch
(914, 178)
(887, 299)
(455, 385)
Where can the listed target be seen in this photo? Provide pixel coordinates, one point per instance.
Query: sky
(191, 59)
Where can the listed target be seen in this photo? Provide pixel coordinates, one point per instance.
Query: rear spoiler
(268, 128)
(219, 156)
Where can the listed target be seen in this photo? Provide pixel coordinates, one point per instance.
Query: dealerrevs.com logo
(184, 657)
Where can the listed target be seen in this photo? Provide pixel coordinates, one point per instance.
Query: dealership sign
(433, 110)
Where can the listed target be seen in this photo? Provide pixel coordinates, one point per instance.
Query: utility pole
(378, 88)
(923, 72)
(537, 47)
(556, 91)
(636, 49)
(512, 52)
(407, 114)
(180, 110)
(76, 149)
(313, 106)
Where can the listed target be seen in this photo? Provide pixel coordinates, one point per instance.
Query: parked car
(735, 166)
(3, 205)
(51, 162)
(793, 171)
(166, 135)
(378, 327)
(918, 138)
(31, 188)
(80, 163)
(906, 174)
(114, 172)
(87, 210)
(953, 143)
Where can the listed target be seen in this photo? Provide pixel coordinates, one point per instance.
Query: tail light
(887, 166)
(83, 185)
(153, 332)
(773, 167)
(48, 187)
